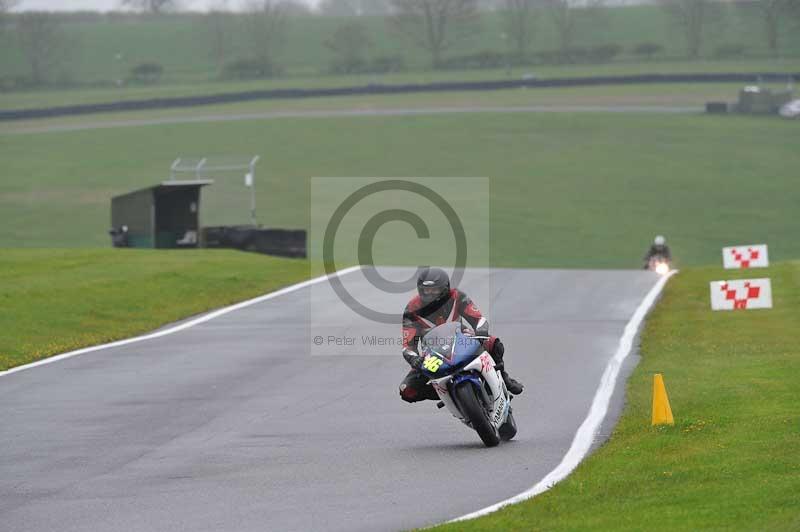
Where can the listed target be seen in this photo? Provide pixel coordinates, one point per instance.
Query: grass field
(57, 300)
(730, 462)
(568, 190)
(181, 44)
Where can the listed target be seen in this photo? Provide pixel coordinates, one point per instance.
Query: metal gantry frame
(204, 166)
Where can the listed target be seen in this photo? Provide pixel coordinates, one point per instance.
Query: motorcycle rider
(436, 304)
(659, 249)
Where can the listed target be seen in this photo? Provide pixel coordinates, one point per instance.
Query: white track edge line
(191, 323)
(584, 437)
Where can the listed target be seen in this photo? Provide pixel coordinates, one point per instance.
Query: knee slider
(407, 393)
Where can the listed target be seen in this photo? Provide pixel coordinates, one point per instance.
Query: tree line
(436, 26)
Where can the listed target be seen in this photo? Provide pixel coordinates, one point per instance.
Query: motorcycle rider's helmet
(433, 285)
(660, 240)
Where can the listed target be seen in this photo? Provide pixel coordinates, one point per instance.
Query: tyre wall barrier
(371, 89)
(279, 242)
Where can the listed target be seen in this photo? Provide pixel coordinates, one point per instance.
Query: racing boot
(514, 386)
(497, 350)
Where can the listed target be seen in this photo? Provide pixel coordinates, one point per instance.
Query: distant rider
(435, 305)
(659, 249)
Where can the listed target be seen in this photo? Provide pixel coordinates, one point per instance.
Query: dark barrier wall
(279, 242)
(192, 101)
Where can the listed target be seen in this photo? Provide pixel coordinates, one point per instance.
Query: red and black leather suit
(419, 319)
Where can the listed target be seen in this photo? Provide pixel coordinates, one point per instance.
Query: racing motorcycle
(658, 264)
(464, 376)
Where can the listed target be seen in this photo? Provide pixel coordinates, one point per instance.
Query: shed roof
(171, 184)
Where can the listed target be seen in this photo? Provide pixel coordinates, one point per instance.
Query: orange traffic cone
(662, 413)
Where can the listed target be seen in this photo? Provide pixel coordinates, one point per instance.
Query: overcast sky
(107, 5)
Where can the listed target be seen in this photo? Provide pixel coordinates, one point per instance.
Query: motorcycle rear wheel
(472, 408)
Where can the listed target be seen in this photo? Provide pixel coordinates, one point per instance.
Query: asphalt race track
(357, 113)
(233, 425)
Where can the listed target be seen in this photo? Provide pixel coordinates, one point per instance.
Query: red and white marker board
(739, 257)
(744, 294)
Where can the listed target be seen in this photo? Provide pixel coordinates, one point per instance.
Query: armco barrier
(278, 94)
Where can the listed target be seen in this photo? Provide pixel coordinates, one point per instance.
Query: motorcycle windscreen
(451, 346)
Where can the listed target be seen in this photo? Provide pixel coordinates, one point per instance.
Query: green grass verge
(568, 190)
(53, 301)
(732, 459)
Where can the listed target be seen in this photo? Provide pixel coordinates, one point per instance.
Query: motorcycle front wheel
(471, 406)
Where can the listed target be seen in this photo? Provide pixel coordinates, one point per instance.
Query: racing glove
(414, 359)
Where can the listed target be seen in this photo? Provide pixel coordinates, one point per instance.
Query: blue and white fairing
(450, 358)
(446, 349)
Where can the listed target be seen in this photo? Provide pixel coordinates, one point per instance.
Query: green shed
(162, 216)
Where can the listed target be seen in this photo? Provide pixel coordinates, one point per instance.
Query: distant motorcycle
(659, 264)
(464, 376)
